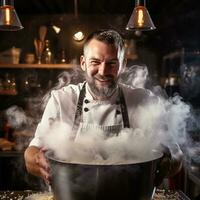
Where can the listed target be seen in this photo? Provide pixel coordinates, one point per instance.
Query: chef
(98, 104)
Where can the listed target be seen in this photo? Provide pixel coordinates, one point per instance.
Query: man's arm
(36, 162)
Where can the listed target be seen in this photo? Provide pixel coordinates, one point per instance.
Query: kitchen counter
(34, 195)
(25, 195)
(15, 195)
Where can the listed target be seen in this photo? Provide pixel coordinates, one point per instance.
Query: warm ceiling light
(56, 29)
(140, 18)
(78, 36)
(9, 20)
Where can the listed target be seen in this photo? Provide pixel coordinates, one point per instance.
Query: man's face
(101, 66)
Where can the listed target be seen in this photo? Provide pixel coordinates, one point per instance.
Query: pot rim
(157, 156)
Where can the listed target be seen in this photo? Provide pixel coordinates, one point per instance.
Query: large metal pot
(133, 181)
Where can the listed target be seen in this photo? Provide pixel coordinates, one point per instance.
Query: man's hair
(110, 37)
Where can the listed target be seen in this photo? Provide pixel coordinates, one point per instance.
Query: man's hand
(42, 165)
(36, 163)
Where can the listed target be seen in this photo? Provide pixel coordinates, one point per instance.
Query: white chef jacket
(63, 103)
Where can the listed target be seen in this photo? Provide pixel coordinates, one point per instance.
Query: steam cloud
(168, 122)
(17, 117)
(164, 122)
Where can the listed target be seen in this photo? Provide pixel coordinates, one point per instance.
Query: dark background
(177, 23)
(177, 28)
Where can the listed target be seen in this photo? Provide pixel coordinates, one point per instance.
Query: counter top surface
(15, 195)
(34, 195)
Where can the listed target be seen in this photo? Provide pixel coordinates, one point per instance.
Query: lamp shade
(9, 20)
(140, 19)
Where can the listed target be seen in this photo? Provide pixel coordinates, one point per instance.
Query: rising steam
(17, 117)
(159, 123)
(162, 122)
(165, 122)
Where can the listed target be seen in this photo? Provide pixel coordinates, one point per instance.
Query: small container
(30, 58)
(10, 56)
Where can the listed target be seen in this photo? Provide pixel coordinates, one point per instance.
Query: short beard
(102, 92)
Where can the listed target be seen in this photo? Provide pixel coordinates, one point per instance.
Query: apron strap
(78, 114)
(124, 109)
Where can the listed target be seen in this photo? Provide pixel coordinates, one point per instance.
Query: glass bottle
(63, 58)
(7, 83)
(48, 57)
(13, 86)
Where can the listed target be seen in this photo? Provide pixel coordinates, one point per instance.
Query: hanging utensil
(42, 32)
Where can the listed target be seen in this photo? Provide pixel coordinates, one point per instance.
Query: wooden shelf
(39, 66)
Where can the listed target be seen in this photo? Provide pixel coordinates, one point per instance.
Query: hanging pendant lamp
(9, 20)
(78, 34)
(140, 18)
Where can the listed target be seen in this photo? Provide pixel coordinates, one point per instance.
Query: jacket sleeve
(51, 113)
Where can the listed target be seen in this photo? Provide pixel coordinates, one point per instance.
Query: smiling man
(100, 104)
